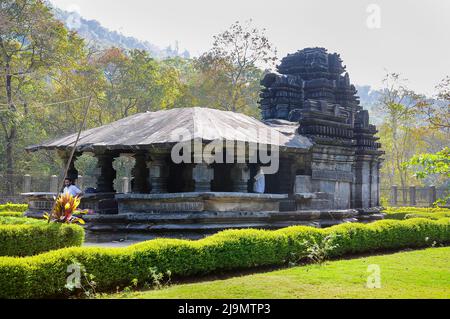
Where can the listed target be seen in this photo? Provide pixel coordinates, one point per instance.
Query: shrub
(422, 212)
(10, 220)
(13, 207)
(11, 214)
(434, 216)
(26, 236)
(45, 275)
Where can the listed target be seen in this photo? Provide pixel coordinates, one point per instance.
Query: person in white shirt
(260, 182)
(69, 187)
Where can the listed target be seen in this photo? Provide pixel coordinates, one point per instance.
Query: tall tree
(437, 110)
(135, 82)
(30, 40)
(399, 104)
(234, 60)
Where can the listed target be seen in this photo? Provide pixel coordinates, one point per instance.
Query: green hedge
(26, 236)
(434, 216)
(10, 220)
(11, 214)
(400, 213)
(13, 207)
(45, 275)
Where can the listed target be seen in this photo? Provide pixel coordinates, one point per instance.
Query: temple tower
(313, 88)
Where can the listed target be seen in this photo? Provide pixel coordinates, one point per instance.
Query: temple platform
(99, 203)
(198, 202)
(197, 214)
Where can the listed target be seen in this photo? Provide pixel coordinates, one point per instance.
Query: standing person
(260, 182)
(69, 187)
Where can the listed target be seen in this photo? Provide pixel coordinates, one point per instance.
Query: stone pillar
(202, 174)
(159, 173)
(141, 184)
(106, 172)
(432, 198)
(125, 185)
(374, 183)
(378, 185)
(371, 197)
(394, 195)
(80, 182)
(27, 183)
(240, 174)
(412, 196)
(54, 184)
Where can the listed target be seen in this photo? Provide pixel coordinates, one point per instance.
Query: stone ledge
(199, 202)
(200, 195)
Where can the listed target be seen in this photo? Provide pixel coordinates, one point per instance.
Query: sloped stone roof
(144, 130)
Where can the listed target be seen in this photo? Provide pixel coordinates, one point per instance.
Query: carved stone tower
(313, 88)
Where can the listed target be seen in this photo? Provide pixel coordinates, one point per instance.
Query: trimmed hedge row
(11, 220)
(11, 214)
(400, 213)
(434, 216)
(26, 236)
(45, 275)
(13, 207)
(415, 209)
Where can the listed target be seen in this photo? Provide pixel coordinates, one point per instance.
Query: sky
(410, 37)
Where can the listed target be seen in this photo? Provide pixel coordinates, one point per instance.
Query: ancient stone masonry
(324, 154)
(313, 88)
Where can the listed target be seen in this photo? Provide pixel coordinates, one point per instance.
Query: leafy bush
(11, 214)
(26, 236)
(45, 275)
(65, 209)
(434, 216)
(13, 207)
(9, 220)
(412, 212)
(407, 209)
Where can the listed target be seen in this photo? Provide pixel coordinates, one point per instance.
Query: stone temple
(327, 158)
(313, 89)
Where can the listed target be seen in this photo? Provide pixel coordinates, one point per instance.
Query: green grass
(412, 274)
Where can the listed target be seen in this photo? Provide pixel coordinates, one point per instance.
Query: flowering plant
(65, 209)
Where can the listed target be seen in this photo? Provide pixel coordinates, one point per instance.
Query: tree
(427, 164)
(31, 40)
(399, 104)
(135, 82)
(432, 164)
(233, 61)
(437, 110)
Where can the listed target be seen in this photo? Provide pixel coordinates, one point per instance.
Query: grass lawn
(411, 274)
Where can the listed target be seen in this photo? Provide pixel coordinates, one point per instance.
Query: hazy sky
(411, 38)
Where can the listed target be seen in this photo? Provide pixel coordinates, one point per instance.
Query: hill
(97, 35)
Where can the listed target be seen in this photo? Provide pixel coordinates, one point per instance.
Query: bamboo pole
(72, 152)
